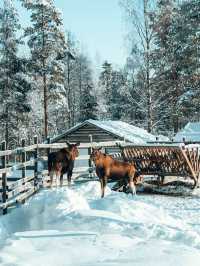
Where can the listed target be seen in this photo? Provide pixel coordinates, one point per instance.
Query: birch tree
(140, 19)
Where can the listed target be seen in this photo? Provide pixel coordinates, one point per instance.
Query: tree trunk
(69, 94)
(45, 107)
(147, 59)
(44, 82)
(7, 127)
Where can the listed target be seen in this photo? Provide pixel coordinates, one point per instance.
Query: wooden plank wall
(83, 135)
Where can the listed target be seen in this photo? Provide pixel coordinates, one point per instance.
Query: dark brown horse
(108, 168)
(62, 162)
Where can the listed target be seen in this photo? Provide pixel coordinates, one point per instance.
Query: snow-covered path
(75, 227)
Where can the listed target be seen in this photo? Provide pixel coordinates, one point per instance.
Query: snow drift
(76, 227)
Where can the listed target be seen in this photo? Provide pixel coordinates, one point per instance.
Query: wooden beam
(26, 195)
(23, 158)
(36, 162)
(17, 166)
(4, 178)
(189, 164)
(20, 182)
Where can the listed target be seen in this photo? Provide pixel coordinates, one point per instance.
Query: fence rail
(152, 159)
(178, 160)
(14, 191)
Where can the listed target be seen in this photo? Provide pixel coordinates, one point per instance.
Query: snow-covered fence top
(56, 146)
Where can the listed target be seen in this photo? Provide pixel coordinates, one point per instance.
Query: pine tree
(87, 100)
(105, 83)
(136, 106)
(175, 61)
(71, 80)
(165, 79)
(47, 45)
(188, 36)
(112, 83)
(14, 83)
(88, 107)
(115, 99)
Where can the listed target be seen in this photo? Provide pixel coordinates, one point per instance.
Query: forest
(52, 86)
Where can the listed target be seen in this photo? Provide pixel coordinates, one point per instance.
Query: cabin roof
(191, 132)
(118, 129)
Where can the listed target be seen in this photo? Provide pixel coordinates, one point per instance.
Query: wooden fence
(165, 160)
(16, 190)
(151, 159)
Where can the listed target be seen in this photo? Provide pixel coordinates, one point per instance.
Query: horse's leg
(101, 182)
(103, 185)
(162, 179)
(61, 179)
(69, 177)
(51, 177)
(57, 178)
(132, 185)
(105, 176)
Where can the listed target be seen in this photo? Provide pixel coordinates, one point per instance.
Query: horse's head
(96, 154)
(73, 150)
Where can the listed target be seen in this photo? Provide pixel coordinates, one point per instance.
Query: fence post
(23, 159)
(4, 178)
(48, 142)
(36, 163)
(89, 161)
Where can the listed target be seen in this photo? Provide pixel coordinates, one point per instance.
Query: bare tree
(140, 19)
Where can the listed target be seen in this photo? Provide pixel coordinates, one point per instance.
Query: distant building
(190, 133)
(101, 131)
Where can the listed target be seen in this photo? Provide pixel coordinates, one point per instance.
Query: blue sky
(97, 24)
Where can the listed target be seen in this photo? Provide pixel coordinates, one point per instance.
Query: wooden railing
(18, 189)
(165, 160)
(151, 159)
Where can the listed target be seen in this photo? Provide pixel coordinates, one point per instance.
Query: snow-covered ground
(75, 226)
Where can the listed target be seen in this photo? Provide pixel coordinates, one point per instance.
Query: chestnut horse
(62, 162)
(108, 168)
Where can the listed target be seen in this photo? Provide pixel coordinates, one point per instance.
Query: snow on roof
(191, 132)
(123, 130)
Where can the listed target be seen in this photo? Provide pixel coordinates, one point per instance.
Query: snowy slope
(75, 227)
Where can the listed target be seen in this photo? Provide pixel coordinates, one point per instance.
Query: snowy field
(74, 226)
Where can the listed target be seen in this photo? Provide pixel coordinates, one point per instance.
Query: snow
(74, 226)
(122, 129)
(191, 132)
(129, 132)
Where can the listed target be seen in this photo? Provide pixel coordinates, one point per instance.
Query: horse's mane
(107, 155)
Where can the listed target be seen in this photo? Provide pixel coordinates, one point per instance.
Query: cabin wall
(83, 133)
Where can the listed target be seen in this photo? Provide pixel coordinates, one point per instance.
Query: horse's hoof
(195, 186)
